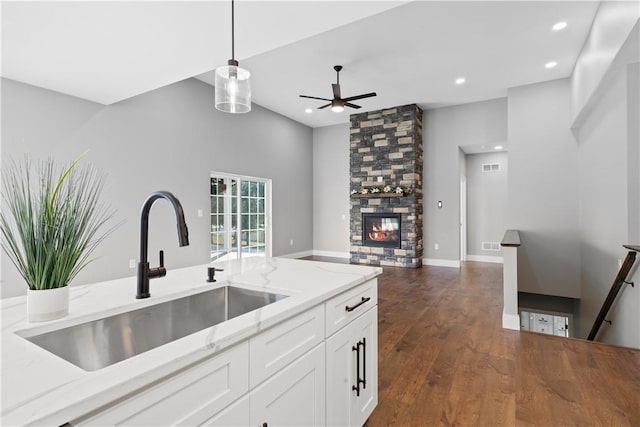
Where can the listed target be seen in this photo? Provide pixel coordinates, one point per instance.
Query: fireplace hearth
(381, 230)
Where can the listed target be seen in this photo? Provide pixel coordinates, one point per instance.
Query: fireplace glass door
(381, 230)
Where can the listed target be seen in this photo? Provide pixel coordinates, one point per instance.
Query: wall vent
(491, 167)
(491, 246)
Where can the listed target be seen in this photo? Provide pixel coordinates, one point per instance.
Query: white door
(341, 376)
(352, 371)
(463, 219)
(240, 216)
(293, 397)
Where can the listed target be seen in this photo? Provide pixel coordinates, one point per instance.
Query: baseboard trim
(332, 254)
(441, 262)
(297, 255)
(486, 258)
(511, 321)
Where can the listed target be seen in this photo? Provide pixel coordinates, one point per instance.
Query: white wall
(486, 202)
(612, 25)
(444, 130)
(331, 191)
(606, 107)
(543, 189)
(167, 139)
(608, 217)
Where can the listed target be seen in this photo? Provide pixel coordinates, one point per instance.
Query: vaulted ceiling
(407, 52)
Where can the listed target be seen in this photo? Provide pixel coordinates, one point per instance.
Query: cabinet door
(186, 398)
(235, 415)
(352, 355)
(295, 396)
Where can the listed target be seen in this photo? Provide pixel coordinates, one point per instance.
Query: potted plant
(51, 222)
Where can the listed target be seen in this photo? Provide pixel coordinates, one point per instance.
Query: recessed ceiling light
(308, 110)
(550, 64)
(460, 80)
(559, 26)
(498, 147)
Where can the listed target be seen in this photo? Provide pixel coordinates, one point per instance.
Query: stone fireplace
(386, 187)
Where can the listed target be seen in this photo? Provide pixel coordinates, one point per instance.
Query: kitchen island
(256, 355)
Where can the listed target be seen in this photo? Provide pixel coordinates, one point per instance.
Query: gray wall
(171, 139)
(543, 189)
(331, 190)
(444, 130)
(486, 202)
(608, 141)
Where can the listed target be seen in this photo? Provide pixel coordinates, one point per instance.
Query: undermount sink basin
(103, 342)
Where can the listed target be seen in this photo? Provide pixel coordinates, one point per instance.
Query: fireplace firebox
(381, 230)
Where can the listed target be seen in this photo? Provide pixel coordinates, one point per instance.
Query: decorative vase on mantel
(51, 221)
(47, 304)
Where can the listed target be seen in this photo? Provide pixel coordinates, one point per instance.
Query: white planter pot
(47, 304)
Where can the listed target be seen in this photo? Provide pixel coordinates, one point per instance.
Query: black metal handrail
(615, 288)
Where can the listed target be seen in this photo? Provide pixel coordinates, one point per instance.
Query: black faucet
(144, 272)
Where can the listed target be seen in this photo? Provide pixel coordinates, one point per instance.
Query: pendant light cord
(233, 52)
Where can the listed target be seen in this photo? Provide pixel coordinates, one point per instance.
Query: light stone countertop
(39, 388)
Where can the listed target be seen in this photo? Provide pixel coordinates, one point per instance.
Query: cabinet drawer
(279, 346)
(357, 300)
(187, 398)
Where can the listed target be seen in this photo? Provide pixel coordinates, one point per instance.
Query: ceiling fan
(338, 103)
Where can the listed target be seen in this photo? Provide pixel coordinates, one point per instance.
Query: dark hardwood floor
(444, 359)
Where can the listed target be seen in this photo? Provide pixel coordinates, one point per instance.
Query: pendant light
(233, 87)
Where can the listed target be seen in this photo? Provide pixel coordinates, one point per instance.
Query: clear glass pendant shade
(233, 89)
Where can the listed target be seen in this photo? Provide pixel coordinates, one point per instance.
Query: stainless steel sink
(103, 342)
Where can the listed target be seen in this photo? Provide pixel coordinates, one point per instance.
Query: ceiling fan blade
(324, 106)
(353, 98)
(314, 97)
(336, 90)
(348, 104)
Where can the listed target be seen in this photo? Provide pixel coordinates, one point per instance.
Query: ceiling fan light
(233, 89)
(337, 105)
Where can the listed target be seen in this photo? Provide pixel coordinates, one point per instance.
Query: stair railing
(615, 288)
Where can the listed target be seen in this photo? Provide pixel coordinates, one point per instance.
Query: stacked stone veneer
(388, 144)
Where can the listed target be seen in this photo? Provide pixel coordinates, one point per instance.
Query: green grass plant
(52, 220)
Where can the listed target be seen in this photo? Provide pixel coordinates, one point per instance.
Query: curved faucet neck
(144, 221)
(144, 272)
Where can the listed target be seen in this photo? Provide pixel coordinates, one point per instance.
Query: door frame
(267, 207)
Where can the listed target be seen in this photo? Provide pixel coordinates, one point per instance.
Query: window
(240, 216)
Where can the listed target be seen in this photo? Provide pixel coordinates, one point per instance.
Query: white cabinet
(187, 398)
(234, 415)
(293, 397)
(317, 368)
(352, 371)
(343, 308)
(281, 345)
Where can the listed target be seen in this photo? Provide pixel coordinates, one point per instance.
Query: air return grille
(491, 167)
(491, 246)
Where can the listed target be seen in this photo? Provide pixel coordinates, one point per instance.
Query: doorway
(483, 202)
(240, 216)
